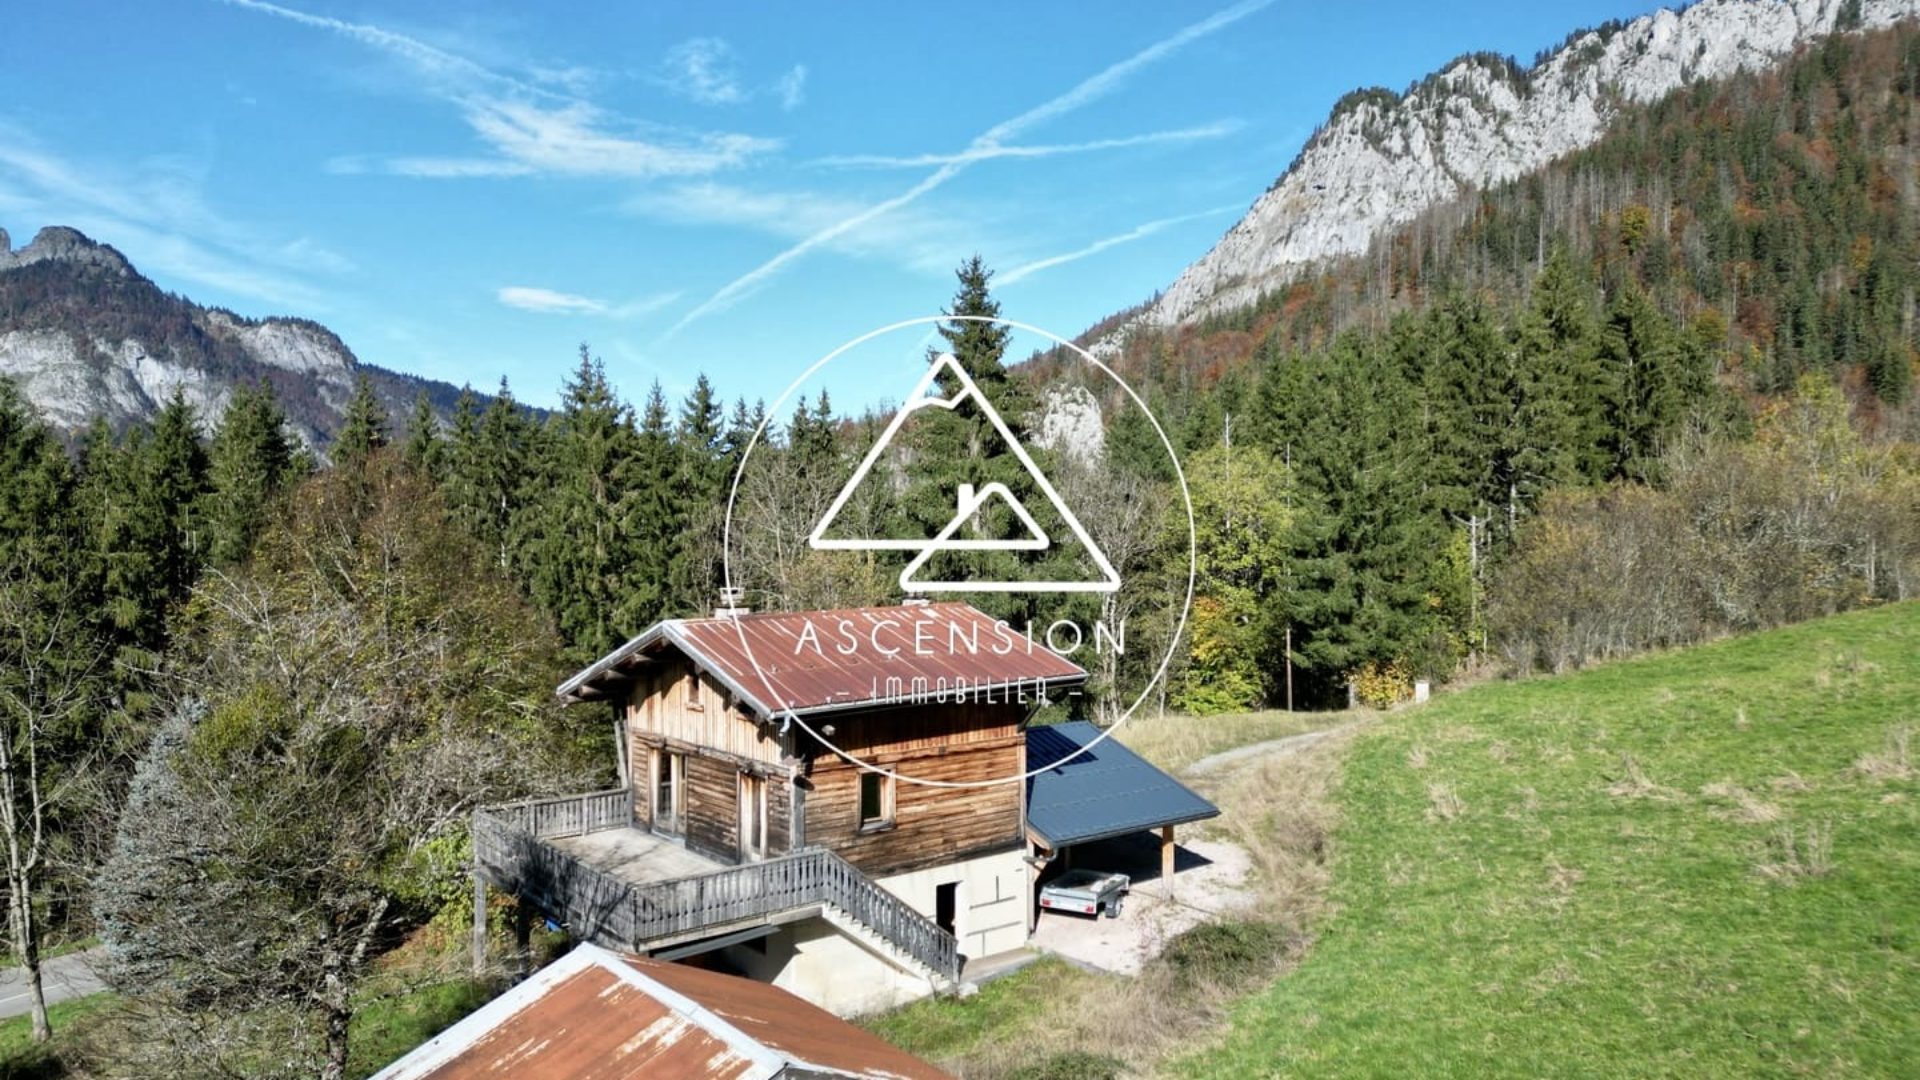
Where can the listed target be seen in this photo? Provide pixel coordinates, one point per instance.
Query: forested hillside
(1609, 328)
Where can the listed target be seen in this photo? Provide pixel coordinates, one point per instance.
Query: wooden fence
(510, 850)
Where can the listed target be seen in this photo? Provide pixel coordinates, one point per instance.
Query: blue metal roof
(1107, 791)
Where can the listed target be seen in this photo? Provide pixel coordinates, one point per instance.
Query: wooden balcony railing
(569, 815)
(509, 848)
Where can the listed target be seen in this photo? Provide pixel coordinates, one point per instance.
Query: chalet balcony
(582, 861)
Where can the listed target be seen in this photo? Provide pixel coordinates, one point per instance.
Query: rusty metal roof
(599, 1015)
(808, 662)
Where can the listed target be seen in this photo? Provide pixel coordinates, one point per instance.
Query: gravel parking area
(1209, 879)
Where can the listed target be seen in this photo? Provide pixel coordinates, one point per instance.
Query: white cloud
(706, 70)
(702, 69)
(575, 141)
(547, 301)
(987, 153)
(924, 242)
(156, 214)
(792, 87)
(531, 127)
(1085, 92)
(1138, 232)
(553, 302)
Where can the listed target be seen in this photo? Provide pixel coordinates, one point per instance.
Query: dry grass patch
(1561, 880)
(1797, 853)
(1739, 804)
(1443, 803)
(1893, 761)
(1635, 784)
(1790, 782)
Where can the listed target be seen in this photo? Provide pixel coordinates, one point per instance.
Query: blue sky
(722, 187)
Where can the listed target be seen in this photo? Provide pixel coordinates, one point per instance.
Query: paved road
(63, 977)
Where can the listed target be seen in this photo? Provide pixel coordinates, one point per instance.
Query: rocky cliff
(1381, 158)
(84, 334)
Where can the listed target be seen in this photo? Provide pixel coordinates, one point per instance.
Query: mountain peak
(58, 242)
(1381, 158)
(83, 334)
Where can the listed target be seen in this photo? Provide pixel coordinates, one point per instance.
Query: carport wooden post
(1166, 857)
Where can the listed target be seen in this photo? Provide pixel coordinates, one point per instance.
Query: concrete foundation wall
(814, 960)
(993, 899)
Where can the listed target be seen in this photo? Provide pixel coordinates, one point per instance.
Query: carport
(1108, 791)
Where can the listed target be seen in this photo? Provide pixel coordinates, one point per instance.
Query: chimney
(730, 602)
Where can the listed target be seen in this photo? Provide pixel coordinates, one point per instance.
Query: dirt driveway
(1210, 878)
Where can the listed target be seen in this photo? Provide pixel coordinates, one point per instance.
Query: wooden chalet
(765, 823)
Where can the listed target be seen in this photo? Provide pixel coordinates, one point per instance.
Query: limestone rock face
(1381, 158)
(1070, 424)
(83, 334)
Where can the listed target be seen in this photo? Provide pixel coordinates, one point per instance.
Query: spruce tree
(173, 474)
(1641, 401)
(250, 462)
(701, 477)
(363, 429)
(580, 544)
(425, 449)
(1557, 351)
(658, 515)
(487, 471)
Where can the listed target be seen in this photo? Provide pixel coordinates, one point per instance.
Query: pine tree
(364, 427)
(580, 548)
(250, 462)
(425, 450)
(700, 480)
(658, 514)
(486, 471)
(173, 472)
(1641, 402)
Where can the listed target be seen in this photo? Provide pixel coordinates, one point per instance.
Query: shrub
(1071, 1065)
(1380, 685)
(1223, 953)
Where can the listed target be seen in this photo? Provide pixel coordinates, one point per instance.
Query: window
(693, 691)
(876, 800)
(669, 787)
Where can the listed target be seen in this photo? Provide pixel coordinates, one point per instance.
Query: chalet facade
(821, 800)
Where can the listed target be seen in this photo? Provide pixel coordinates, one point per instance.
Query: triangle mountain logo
(968, 503)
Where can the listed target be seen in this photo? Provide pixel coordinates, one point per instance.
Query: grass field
(1705, 863)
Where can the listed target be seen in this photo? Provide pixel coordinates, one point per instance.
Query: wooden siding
(711, 822)
(658, 705)
(931, 825)
(713, 807)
